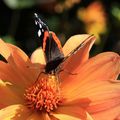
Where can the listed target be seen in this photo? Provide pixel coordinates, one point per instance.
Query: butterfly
(52, 47)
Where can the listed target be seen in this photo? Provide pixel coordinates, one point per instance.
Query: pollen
(44, 94)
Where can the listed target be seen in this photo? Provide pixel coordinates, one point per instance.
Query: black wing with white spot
(41, 28)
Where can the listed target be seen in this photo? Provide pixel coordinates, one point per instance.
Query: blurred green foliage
(19, 4)
(9, 39)
(116, 12)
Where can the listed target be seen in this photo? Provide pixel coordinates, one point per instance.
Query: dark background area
(65, 18)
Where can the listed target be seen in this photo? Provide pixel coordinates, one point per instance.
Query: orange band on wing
(46, 34)
(57, 41)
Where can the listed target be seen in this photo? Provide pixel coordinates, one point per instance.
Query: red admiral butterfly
(51, 46)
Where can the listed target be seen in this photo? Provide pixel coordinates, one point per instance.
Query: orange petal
(95, 69)
(89, 117)
(65, 117)
(7, 95)
(38, 57)
(73, 42)
(7, 73)
(106, 106)
(27, 71)
(82, 103)
(14, 112)
(19, 62)
(68, 117)
(4, 50)
(75, 108)
(110, 114)
(104, 95)
(92, 89)
(39, 116)
(23, 64)
(21, 53)
(97, 66)
(80, 57)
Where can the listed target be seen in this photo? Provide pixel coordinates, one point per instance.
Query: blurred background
(65, 18)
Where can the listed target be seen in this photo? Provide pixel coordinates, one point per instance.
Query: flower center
(44, 94)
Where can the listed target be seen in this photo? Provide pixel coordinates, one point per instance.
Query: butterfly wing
(42, 29)
(53, 52)
(50, 45)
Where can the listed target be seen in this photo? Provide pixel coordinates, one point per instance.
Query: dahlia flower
(85, 88)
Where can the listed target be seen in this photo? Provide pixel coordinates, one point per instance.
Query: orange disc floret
(44, 94)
